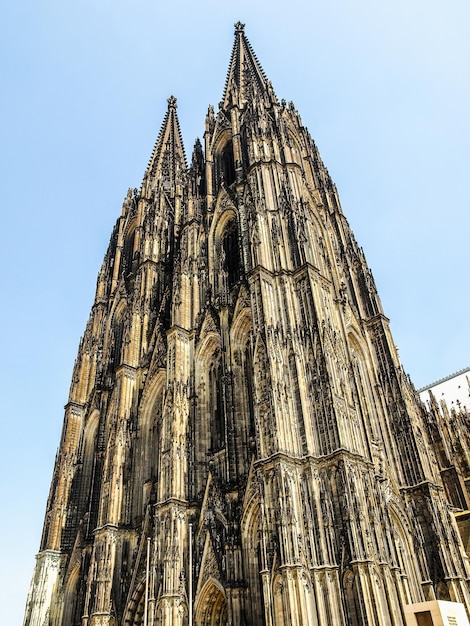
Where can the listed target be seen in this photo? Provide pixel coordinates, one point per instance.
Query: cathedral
(241, 445)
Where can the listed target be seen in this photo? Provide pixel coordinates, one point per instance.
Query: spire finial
(239, 27)
(172, 102)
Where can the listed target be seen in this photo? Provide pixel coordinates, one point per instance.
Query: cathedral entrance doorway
(211, 608)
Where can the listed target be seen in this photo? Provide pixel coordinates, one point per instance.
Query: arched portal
(135, 608)
(211, 608)
(253, 563)
(72, 608)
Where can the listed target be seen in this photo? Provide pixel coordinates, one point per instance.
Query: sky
(384, 89)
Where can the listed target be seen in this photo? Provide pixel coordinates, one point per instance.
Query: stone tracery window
(216, 406)
(225, 252)
(128, 253)
(209, 421)
(231, 254)
(249, 386)
(141, 482)
(117, 338)
(226, 165)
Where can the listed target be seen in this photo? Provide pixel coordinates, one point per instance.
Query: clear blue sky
(384, 89)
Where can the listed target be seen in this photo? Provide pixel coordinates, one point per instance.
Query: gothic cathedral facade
(240, 444)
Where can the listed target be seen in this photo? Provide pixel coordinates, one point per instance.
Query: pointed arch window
(249, 383)
(128, 254)
(216, 406)
(209, 414)
(227, 165)
(231, 254)
(117, 339)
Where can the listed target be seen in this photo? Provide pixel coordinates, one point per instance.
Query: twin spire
(245, 74)
(244, 77)
(168, 161)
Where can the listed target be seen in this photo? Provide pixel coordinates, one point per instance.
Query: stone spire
(245, 76)
(167, 165)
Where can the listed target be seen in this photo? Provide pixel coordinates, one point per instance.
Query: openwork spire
(168, 161)
(245, 76)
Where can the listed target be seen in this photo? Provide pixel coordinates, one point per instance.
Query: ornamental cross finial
(171, 102)
(239, 27)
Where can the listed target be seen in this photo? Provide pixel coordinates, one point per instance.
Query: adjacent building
(454, 390)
